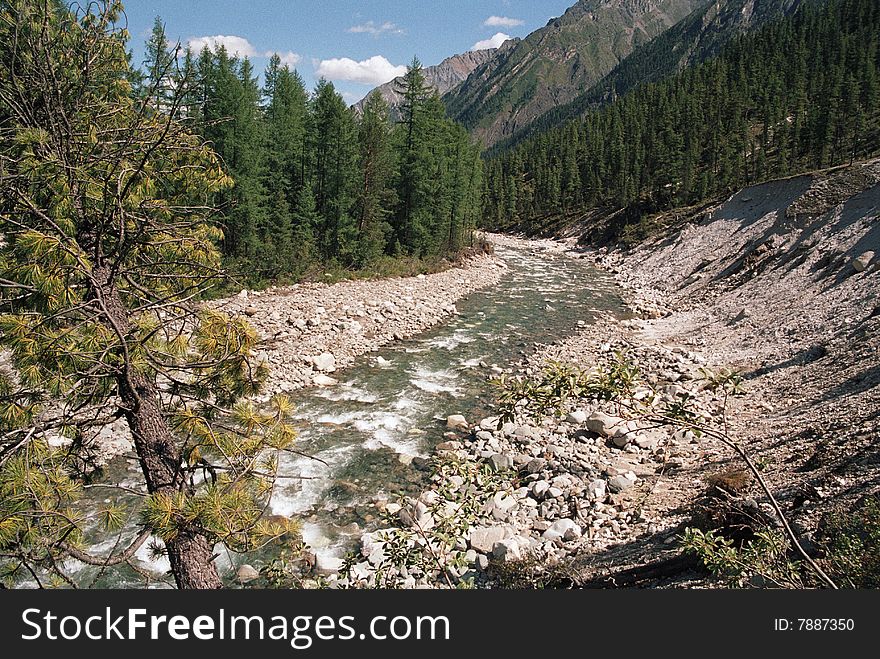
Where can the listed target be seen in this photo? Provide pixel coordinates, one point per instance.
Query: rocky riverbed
(309, 331)
(778, 284)
(561, 485)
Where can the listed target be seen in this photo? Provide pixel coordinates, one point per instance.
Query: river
(391, 405)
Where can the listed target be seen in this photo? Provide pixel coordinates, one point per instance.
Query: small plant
(429, 546)
(760, 562)
(852, 545)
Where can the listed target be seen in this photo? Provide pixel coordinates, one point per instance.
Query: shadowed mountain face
(557, 63)
(443, 77)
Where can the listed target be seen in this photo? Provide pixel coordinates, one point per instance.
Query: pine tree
(96, 313)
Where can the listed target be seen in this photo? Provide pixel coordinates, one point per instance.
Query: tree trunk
(192, 562)
(190, 553)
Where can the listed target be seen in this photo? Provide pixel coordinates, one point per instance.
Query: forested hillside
(316, 186)
(800, 93)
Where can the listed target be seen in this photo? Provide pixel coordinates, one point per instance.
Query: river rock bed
(552, 487)
(309, 331)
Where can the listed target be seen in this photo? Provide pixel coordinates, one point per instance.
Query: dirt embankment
(780, 283)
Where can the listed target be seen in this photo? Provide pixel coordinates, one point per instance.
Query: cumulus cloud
(234, 45)
(240, 47)
(290, 58)
(376, 29)
(373, 71)
(503, 21)
(494, 41)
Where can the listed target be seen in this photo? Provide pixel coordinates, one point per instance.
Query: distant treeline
(317, 186)
(799, 94)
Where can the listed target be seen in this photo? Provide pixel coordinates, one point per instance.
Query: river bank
(309, 331)
(777, 284)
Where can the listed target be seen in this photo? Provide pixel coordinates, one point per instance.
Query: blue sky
(356, 44)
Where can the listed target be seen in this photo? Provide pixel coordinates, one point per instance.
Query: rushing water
(385, 411)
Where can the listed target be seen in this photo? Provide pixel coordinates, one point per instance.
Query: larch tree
(107, 239)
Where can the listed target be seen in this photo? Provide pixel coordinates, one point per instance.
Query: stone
(622, 437)
(483, 539)
(861, 263)
(577, 417)
(539, 488)
(482, 562)
(325, 362)
(326, 565)
(489, 423)
(322, 380)
(508, 549)
(500, 462)
(251, 311)
(246, 573)
(563, 529)
(621, 482)
(535, 465)
(596, 488)
(381, 361)
(603, 424)
(457, 422)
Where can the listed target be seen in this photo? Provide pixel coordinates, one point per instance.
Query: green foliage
(429, 546)
(852, 545)
(761, 562)
(559, 383)
(317, 187)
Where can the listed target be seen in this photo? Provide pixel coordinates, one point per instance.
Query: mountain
(443, 77)
(694, 39)
(558, 62)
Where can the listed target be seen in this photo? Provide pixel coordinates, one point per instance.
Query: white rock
(483, 539)
(326, 565)
(325, 362)
(564, 529)
(457, 422)
(246, 573)
(604, 424)
(322, 380)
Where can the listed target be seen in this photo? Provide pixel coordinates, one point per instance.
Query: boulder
(604, 424)
(483, 539)
(577, 417)
(596, 488)
(508, 549)
(251, 311)
(621, 482)
(325, 362)
(326, 565)
(563, 529)
(457, 422)
(500, 462)
(861, 263)
(322, 380)
(246, 573)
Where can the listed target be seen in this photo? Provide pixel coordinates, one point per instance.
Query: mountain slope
(694, 39)
(443, 77)
(555, 64)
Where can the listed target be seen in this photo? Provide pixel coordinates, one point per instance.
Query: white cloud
(503, 21)
(373, 71)
(240, 47)
(234, 45)
(494, 42)
(290, 58)
(376, 29)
